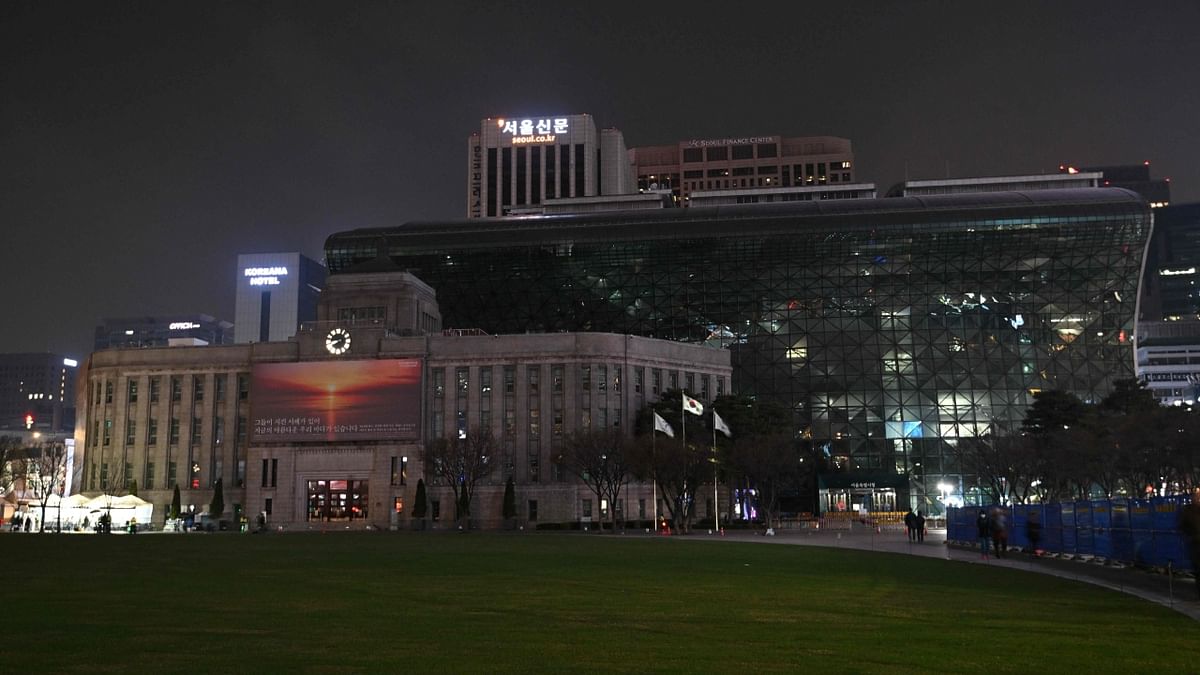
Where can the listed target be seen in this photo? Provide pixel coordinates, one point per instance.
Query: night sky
(143, 146)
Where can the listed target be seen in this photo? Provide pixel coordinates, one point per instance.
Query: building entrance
(337, 500)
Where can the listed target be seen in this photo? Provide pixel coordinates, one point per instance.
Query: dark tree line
(1127, 445)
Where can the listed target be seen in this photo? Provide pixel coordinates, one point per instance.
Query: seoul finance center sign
(533, 130)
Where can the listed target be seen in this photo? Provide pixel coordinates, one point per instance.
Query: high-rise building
(743, 164)
(162, 331)
(1169, 286)
(276, 292)
(37, 392)
(517, 164)
(900, 332)
(1135, 177)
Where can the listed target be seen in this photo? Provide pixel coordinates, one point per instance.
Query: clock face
(337, 341)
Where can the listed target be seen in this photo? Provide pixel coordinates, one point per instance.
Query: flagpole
(654, 473)
(683, 427)
(716, 493)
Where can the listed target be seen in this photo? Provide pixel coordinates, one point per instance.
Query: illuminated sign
(1175, 273)
(729, 141)
(70, 363)
(533, 131)
(475, 198)
(185, 325)
(264, 276)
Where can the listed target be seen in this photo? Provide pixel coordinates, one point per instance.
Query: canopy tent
(122, 509)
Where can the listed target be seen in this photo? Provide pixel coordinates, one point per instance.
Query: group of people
(21, 522)
(993, 531)
(915, 524)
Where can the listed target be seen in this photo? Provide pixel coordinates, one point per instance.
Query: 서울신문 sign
(534, 130)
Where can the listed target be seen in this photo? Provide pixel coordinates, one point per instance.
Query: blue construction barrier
(1067, 509)
(1052, 539)
(1084, 529)
(1102, 542)
(1138, 531)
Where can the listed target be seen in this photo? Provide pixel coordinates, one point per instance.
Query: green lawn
(371, 602)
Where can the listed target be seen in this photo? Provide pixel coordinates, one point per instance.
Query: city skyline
(144, 147)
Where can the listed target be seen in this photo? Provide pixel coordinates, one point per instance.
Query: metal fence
(1141, 532)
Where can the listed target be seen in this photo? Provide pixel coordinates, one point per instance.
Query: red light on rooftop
(1145, 162)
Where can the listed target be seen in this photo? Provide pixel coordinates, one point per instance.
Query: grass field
(486, 603)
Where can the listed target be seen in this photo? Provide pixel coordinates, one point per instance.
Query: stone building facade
(189, 416)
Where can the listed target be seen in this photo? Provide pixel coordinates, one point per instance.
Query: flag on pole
(692, 405)
(719, 425)
(661, 425)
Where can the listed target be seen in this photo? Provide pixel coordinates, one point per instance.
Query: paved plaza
(1174, 591)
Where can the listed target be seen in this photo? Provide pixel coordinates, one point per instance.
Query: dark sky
(144, 145)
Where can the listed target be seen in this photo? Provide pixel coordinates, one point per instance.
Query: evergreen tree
(420, 503)
(510, 499)
(217, 507)
(175, 504)
(133, 487)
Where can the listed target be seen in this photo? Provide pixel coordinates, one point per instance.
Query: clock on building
(337, 341)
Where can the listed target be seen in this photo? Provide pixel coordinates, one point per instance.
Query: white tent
(122, 509)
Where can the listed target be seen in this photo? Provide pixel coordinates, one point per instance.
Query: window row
(175, 385)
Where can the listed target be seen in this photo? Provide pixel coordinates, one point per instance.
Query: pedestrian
(984, 524)
(1000, 532)
(1033, 530)
(1189, 524)
(920, 527)
(910, 524)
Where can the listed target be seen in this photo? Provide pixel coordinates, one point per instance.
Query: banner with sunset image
(363, 400)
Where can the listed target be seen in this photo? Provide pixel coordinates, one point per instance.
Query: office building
(1168, 360)
(162, 331)
(516, 164)
(327, 430)
(959, 186)
(1135, 177)
(745, 163)
(276, 292)
(898, 331)
(1170, 289)
(771, 195)
(37, 392)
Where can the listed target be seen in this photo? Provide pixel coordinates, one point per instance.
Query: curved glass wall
(895, 329)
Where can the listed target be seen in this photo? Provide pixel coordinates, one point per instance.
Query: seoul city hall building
(896, 330)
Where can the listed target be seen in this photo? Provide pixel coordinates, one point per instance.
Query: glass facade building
(896, 330)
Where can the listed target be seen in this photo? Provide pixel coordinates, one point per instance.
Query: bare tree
(11, 462)
(679, 470)
(462, 463)
(599, 459)
(46, 474)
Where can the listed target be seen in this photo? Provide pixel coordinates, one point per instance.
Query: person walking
(910, 524)
(984, 524)
(1189, 524)
(1000, 532)
(920, 522)
(1033, 530)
